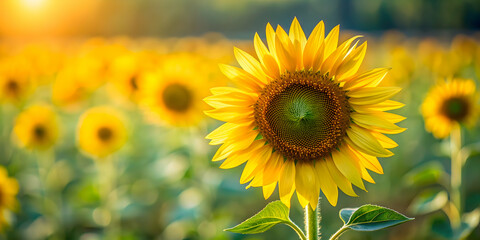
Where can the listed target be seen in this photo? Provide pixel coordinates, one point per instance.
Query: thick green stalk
(456, 173)
(312, 221)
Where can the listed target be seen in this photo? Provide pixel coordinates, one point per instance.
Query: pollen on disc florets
(303, 114)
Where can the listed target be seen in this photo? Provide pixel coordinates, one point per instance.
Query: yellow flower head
(37, 127)
(101, 132)
(128, 74)
(8, 193)
(15, 80)
(448, 104)
(174, 93)
(403, 65)
(302, 116)
(44, 61)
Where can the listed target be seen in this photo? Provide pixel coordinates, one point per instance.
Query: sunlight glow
(33, 4)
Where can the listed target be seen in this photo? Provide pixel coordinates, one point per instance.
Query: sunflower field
(218, 119)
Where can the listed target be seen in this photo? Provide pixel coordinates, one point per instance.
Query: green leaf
(426, 174)
(273, 214)
(428, 201)
(371, 218)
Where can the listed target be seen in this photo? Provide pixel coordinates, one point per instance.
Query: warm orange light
(33, 4)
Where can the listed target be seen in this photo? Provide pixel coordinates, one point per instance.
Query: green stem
(456, 173)
(108, 182)
(297, 230)
(338, 233)
(312, 221)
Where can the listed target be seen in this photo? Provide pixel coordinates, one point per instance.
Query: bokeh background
(161, 184)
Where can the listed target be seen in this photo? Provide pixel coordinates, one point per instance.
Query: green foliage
(426, 174)
(443, 228)
(428, 201)
(273, 214)
(371, 218)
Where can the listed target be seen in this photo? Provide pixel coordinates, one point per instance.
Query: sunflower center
(177, 97)
(304, 115)
(133, 82)
(39, 132)
(12, 86)
(456, 108)
(105, 134)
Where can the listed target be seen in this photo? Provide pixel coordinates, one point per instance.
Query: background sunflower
(101, 131)
(173, 93)
(449, 104)
(37, 127)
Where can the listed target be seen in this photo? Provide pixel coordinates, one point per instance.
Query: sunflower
(128, 74)
(174, 93)
(36, 127)
(15, 80)
(448, 104)
(303, 117)
(8, 192)
(101, 132)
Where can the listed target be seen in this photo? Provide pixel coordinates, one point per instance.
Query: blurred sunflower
(303, 117)
(37, 127)
(15, 80)
(128, 74)
(403, 66)
(174, 93)
(101, 132)
(448, 104)
(8, 192)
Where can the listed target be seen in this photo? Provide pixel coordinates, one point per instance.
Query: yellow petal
(331, 62)
(370, 78)
(347, 166)
(260, 48)
(371, 95)
(364, 141)
(222, 132)
(268, 190)
(366, 175)
(370, 121)
(284, 56)
(315, 40)
(273, 168)
(286, 184)
(351, 63)
(256, 164)
(337, 176)
(327, 184)
(368, 161)
(331, 41)
(297, 37)
(385, 141)
(305, 181)
(302, 200)
(251, 65)
(239, 115)
(239, 157)
(270, 65)
(242, 78)
(270, 34)
(296, 32)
